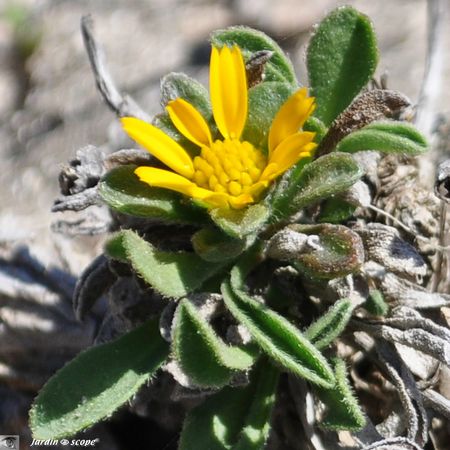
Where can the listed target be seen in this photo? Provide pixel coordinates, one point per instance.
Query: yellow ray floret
(228, 91)
(189, 122)
(290, 118)
(159, 145)
(228, 172)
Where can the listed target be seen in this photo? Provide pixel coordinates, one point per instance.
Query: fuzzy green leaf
(342, 409)
(339, 251)
(264, 99)
(235, 418)
(99, 380)
(215, 246)
(171, 274)
(316, 126)
(121, 190)
(276, 336)
(387, 137)
(201, 354)
(335, 210)
(239, 223)
(341, 58)
(179, 85)
(320, 179)
(329, 326)
(278, 68)
(376, 304)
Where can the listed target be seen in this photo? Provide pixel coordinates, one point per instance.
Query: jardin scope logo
(9, 441)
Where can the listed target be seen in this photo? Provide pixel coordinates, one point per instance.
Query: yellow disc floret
(229, 166)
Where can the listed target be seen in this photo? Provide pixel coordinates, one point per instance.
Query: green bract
(215, 277)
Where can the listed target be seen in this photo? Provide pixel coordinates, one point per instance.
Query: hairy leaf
(276, 336)
(239, 223)
(336, 252)
(341, 58)
(387, 137)
(335, 210)
(121, 190)
(98, 381)
(316, 126)
(376, 304)
(171, 274)
(278, 68)
(342, 409)
(235, 418)
(330, 325)
(201, 354)
(320, 179)
(179, 85)
(215, 246)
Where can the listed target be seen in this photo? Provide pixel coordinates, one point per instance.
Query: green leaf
(329, 326)
(215, 246)
(276, 336)
(376, 304)
(335, 210)
(388, 137)
(264, 100)
(99, 380)
(171, 274)
(325, 177)
(201, 354)
(338, 251)
(179, 85)
(121, 190)
(316, 126)
(239, 223)
(342, 409)
(278, 68)
(341, 58)
(235, 418)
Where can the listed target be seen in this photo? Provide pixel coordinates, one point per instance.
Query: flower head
(228, 172)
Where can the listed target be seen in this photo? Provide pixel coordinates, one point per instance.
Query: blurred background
(49, 108)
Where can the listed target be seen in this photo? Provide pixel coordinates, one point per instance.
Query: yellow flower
(228, 172)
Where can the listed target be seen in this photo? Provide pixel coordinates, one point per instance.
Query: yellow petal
(291, 150)
(159, 145)
(169, 180)
(241, 201)
(189, 122)
(269, 172)
(258, 187)
(228, 90)
(290, 117)
(217, 200)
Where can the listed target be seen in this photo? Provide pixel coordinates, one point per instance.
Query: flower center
(229, 166)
